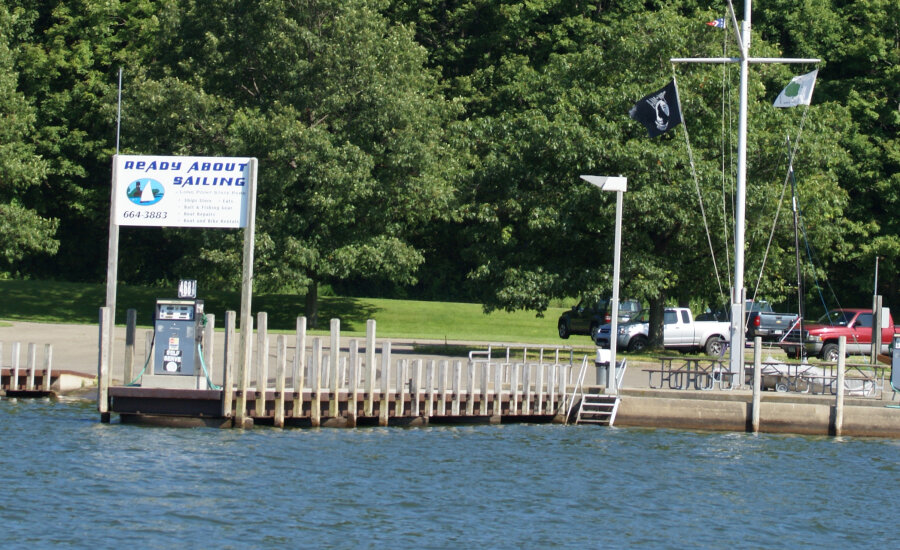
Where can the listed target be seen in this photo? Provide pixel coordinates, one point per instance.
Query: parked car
(769, 325)
(820, 339)
(762, 320)
(584, 318)
(680, 331)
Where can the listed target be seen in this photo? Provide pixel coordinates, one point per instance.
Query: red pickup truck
(820, 339)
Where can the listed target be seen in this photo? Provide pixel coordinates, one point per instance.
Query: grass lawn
(61, 302)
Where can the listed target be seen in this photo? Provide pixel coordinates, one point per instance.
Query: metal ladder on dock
(598, 408)
(595, 407)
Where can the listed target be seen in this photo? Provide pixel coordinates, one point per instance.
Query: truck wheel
(715, 345)
(563, 329)
(637, 344)
(830, 353)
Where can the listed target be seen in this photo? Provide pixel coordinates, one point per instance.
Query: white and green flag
(798, 92)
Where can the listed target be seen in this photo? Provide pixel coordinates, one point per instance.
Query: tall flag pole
(736, 359)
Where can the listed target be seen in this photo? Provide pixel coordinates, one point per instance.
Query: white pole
(112, 258)
(245, 349)
(619, 185)
(737, 293)
(614, 322)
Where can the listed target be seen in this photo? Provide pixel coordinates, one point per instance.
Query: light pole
(617, 184)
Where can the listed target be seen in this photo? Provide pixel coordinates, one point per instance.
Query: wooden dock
(31, 380)
(360, 384)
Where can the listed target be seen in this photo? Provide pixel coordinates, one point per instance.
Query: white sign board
(162, 191)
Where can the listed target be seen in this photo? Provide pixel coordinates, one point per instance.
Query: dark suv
(583, 319)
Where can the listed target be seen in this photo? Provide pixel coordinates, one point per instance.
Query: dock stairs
(597, 408)
(595, 405)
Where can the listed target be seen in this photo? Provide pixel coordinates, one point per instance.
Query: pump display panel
(176, 312)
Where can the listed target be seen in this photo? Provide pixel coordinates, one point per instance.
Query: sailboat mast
(736, 360)
(737, 293)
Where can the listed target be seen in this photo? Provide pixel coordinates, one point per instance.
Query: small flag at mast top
(798, 92)
(718, 23)
(659, 111)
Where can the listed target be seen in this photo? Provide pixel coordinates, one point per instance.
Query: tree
(550, 103)
(22, 229)
(346, 121)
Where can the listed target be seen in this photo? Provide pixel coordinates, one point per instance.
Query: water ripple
(506, 486)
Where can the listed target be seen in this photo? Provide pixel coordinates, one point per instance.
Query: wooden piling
(102, 364)
(457, 374)
(470, 388)
(353, 397)
(370, 367)
(526, 389)
(299, 371)
(415, 390)
(262, 361)
(243, 365)
(539, 383)
(209, 345)
(483, 404)
(514, 388)
(385, 382)
(48, 361)
(757, 364)
(334, 363)
(14, 367)
(402, 370)
(280, 368)
(498, 390)
(228, 367)
(429, 388)
(31, 364)
(315, 407)
(839, 382)
(551, 386)
(442, 388)
(130, 332)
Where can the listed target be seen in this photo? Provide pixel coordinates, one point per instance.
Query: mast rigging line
(787, 179)
(736, 358)
(697, 184)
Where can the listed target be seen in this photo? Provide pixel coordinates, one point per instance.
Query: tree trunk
(312, 304)
(655, 331)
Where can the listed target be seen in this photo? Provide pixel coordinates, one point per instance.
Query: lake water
(70, 481)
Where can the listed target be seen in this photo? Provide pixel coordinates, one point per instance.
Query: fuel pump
(178, 333)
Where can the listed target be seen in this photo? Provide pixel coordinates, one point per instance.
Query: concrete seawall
(779, 413)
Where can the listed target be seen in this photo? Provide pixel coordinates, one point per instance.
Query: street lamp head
(607, 183)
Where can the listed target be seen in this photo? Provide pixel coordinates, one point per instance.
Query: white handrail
(620, 373)
(578, 386)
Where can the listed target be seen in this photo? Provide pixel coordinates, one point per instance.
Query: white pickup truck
(680, 331)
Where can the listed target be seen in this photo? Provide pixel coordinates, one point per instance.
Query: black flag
(658, 111)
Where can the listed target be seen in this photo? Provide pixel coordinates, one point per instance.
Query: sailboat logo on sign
(145, 192)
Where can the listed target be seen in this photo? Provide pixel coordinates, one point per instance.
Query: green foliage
(346, 123)
(23, 230)
(434, 147)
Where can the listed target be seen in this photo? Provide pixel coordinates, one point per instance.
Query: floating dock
(310, 385)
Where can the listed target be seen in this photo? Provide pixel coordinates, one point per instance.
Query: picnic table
(681, 373)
